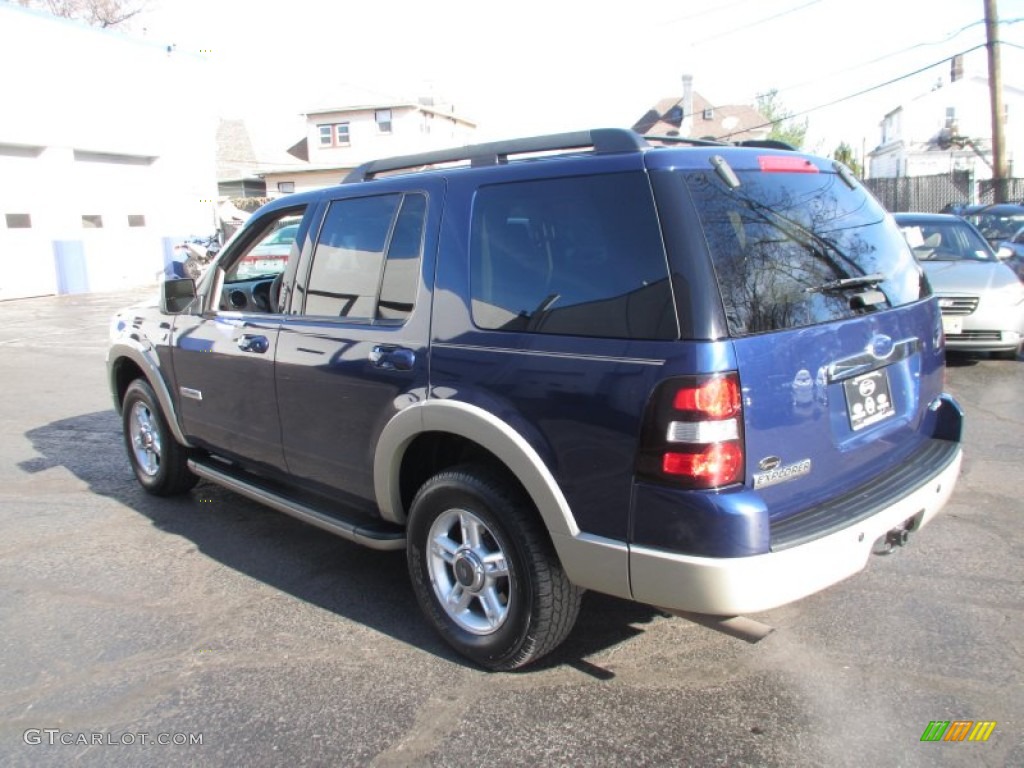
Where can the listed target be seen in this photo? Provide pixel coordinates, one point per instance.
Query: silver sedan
(981, 298)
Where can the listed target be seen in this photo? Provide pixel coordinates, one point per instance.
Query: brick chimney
(956, 68)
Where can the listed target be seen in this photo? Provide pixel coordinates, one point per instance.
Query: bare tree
(98, 13)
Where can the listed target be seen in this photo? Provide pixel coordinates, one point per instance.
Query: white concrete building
(107, 156)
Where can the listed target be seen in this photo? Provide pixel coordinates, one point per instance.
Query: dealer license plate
(868, 399)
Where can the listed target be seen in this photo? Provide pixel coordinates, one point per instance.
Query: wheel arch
(129, 361)
(432, 435)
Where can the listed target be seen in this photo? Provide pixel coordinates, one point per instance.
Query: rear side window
(578, 256)
(780, 242)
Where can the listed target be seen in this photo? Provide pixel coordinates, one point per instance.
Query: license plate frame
(868, 399)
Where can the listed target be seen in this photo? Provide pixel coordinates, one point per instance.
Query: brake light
(717, 398)
(693, 432)
(786, 164)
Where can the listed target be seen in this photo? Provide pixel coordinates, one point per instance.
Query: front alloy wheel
(159, 461)
(145, 438)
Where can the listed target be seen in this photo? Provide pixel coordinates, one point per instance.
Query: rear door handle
(392, 358)
(257, 344)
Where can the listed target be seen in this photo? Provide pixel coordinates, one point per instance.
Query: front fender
(144, 357)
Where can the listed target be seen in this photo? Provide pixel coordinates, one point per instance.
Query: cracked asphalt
(242, 637)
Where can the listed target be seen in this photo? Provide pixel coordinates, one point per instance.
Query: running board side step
(382, 537)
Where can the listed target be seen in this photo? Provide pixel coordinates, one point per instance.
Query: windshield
(945, 241)
(797, 249)
(995, 227)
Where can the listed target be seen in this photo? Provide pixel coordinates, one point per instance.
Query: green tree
(98, 13)
(844, 154)
(784, 127)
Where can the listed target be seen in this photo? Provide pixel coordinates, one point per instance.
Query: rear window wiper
(847, 282)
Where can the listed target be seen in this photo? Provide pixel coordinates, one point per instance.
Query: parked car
(1012, 252)
(707, 378)
(981, 298)
(270, 256)
(997, 223)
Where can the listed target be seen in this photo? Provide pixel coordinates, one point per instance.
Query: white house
(340, 138)
(950, 127)
(107, 156)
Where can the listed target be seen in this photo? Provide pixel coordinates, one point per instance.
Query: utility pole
(995, 84)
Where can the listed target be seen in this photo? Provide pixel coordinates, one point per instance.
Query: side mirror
(177, 294)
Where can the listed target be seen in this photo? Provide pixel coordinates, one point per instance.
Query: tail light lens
(693, 432)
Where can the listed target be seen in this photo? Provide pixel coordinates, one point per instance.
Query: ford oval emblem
(769, 463)
(881, 347)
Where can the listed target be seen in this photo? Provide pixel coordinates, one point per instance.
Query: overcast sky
(533, 66)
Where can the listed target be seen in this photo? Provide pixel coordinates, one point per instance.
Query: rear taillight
(693, 432)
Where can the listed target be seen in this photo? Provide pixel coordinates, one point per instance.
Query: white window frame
(334, 134)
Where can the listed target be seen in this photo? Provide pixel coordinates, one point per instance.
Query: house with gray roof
(692, 116)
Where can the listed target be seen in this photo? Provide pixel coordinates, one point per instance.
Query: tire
(484, 571)
(159, 461)
(1007, 354)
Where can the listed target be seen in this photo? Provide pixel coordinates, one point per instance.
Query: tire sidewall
(448, 492)
(139, 391)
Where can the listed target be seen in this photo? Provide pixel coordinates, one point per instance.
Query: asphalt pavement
(208, 630)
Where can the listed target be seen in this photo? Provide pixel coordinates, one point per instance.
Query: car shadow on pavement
(363, 585)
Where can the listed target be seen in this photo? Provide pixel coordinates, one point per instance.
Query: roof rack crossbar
(685, 140)
(601, 140)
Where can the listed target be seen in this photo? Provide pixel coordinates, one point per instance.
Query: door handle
(392, 358)
(257, 344)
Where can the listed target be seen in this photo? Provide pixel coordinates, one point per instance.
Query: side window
(575, 256)
(402, 267)
(269, 254)
(366, 262)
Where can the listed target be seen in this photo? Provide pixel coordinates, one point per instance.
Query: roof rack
(762, 143)
(601, 140)
(686, 140)
(766, 144)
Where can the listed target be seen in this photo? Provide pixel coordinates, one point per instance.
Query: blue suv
(700, 376)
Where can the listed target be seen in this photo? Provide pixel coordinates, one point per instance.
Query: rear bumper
(731, 586)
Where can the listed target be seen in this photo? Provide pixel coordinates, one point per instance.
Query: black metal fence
(931, 194)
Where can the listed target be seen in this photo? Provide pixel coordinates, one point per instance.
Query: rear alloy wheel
(159, 461)
(484, 571)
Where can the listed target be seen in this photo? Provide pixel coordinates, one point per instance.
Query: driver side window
(252, 281)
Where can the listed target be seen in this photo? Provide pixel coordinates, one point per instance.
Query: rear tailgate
(837, 343)
(832, 407)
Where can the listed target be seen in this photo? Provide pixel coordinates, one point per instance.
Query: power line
(758, 22)
(855, 95)
(883, 57)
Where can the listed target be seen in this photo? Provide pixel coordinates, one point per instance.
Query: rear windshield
(782, 243)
